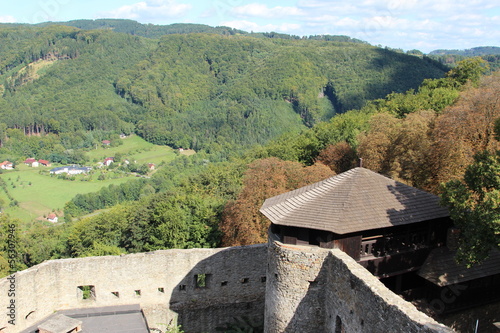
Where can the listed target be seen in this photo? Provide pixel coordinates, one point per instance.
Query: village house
(52, 218)
(6, 165)
(106, 142)
(31, 162)
(44, 163)
(108, 160)
(70, 170)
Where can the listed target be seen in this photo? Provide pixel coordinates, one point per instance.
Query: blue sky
(425, 25)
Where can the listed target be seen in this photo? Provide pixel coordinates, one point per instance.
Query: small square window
(245, 280)
(137, 293)
(161, 290)
(182, 287)
(116, 294)
(223, 283)
(201, 280)
(263, 279)
(86, 292)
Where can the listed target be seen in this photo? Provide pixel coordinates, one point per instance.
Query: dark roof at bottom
(441, 268)
(109, 319)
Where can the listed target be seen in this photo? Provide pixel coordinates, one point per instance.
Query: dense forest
(201, 91)
(266, 115)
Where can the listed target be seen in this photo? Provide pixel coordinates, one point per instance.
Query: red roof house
(44, 162)
(6, 165)
(108, 161)
(52, 217)
(31, 162)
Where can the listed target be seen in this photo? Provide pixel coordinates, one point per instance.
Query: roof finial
(360, 162)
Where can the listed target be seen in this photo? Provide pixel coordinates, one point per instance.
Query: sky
(424, 25)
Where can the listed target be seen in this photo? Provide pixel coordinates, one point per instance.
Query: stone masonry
(310, 289)
(164, 283)
(289, 288)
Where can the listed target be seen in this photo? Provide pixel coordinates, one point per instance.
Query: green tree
(470, 69)
(474, 205)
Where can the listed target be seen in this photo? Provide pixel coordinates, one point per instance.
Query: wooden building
(397, 232)
(387, 226)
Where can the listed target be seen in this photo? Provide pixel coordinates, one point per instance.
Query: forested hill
(145, 30)
(204, 91)
(473, 52)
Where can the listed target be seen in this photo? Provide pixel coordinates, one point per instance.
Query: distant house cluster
(70, 170)
(34, 163)
(6, 165)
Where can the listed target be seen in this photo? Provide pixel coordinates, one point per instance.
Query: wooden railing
(379, 246)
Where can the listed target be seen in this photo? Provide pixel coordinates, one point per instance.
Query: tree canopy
(474, 205)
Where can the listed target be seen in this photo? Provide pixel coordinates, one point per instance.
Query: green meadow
(39, 193)
(134, 148)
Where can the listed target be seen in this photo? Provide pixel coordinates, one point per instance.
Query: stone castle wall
(305, 289)
(214, 286)
(318, 290)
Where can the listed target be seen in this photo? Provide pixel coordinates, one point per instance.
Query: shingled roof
(442, 269)
(356, 200)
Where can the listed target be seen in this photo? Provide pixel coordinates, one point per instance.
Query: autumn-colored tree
(465, 129)
(399, 148)
(242, 223)
(339, 157)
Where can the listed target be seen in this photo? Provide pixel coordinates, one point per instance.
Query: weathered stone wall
(318, 290)
(162, 282)
(308, 289)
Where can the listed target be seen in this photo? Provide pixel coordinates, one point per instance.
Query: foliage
(159, 221)
(399, 148)
(425, 148)
(468, 70)
(106, 197)
(146, 30)
(465, 128)
(474, 205)
(339, 157)
(233, 91)
(307, 145)
(490, 54)
(242, 223)
(64, 90)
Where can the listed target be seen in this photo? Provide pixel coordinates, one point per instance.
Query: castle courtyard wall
(288, 288)
(163, 283)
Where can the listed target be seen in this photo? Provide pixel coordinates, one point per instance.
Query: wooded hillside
(203, 91)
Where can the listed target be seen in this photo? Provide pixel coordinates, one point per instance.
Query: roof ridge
(355, 181)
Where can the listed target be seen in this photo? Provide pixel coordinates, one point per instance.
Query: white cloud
(261, 10)
(150, 10)
(7, 19)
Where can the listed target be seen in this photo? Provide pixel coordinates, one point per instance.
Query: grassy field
(38, 194)
(134, 148)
